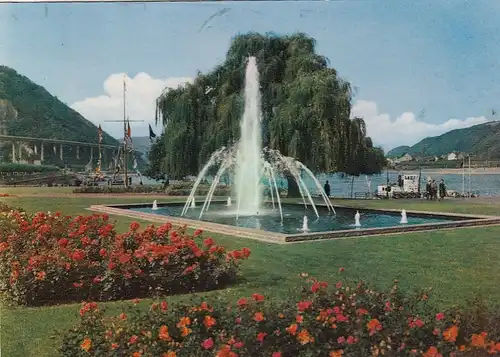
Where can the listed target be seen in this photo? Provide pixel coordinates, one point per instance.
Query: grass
(458, 264)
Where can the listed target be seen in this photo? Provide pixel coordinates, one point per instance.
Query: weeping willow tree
(305, 105)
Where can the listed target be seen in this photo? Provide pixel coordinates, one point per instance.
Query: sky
(419, 70)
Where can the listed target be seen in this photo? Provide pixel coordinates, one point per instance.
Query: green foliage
(6, 168)
(305, 107)
(480, 141)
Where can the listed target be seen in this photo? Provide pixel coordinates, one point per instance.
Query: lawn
(458, 264)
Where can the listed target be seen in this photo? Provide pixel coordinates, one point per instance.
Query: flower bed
(50, 258)
(344, 321)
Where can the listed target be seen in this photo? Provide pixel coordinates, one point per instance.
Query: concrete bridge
(35, 150)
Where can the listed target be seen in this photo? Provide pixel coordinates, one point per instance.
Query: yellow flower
(86, 344)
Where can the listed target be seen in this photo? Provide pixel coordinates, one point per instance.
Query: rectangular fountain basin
(268, 226)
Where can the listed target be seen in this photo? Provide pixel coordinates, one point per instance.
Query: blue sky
(416, 66)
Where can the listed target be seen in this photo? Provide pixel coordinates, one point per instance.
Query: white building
(452, 156)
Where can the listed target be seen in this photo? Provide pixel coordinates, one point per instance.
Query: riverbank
(473, 171)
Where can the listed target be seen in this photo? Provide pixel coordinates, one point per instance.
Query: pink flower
(439, 316)
(341, 340)
(276, 354)
(207, 344)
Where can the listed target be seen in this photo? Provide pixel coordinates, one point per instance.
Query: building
(405, 158)
(452, 156)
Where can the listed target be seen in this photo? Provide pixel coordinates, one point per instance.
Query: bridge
(33, 150)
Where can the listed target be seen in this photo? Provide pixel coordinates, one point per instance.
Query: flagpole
(125, 136)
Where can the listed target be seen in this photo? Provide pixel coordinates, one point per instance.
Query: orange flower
(163, 335)
(209, 321)
(479, 340)
(185, 331)
(86, 344)
(373, 326)
(259, 316)
(432, 352)
(40, 275)
(299, 319)
(170, 354)
(337, 353)
(185, 321)
(450, 334)
(292, 329)
(114, 346)
(304, 337)
(136, 354)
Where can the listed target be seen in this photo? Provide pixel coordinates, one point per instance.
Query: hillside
(27, 109)
(141, 143)
(478, 140)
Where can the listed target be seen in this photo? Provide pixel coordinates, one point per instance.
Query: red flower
(163, 306)
(245, 252)
(261, 336)
(103, 252)
(207, 344)
(439, 316)
(197, 232)
(134, 226)
(208, 242)
(276, 354)
(304, 305)
(341, 269)
(78, 255)
(63, 242)
(258, 297)
(133, 339)
(242, 302)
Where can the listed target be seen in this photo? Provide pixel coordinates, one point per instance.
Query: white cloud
(142, 91)
(406, 129)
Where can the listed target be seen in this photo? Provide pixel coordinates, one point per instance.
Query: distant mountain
(480, 140)
(142, 144)
(28, 109)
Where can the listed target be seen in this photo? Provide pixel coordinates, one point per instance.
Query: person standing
(434, 190)
(327, 188)
(442, 190)
(428, 189)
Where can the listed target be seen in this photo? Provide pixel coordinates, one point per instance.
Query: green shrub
(349, 320)
(51, 258)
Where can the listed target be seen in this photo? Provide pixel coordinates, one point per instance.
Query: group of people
(433, 191)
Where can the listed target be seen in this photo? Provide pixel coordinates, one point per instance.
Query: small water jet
(228, 202)
(305, 225)
(404, 219)
(357, 216)
(155, 206)
(193, 203)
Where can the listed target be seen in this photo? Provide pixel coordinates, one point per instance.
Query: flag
(152, 135)
(129, 132)
(99, 133)
(134, 165)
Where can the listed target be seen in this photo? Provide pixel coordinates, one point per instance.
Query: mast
(125, 173)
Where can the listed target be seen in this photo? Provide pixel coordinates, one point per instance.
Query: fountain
(228, 204)
(357, 223)
(155, 206)
(193, 203)
(305, 226)
(404, 219)
(253, 165)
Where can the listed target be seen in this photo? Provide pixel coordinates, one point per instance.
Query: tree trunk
(293, 187)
